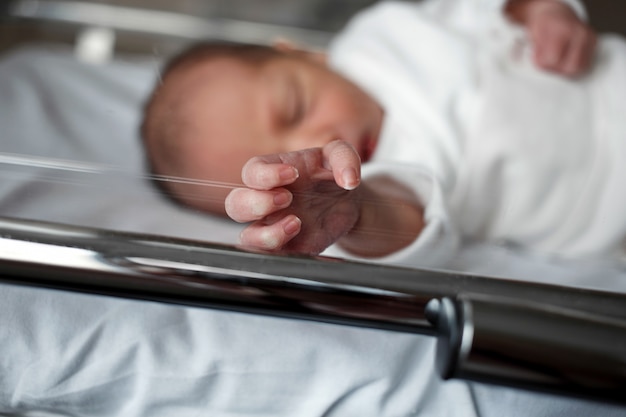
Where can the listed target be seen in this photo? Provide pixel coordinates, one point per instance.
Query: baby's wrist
(356, 239)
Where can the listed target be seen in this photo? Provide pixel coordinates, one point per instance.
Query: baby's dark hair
(162, 126)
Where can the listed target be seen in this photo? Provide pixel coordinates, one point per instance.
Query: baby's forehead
(203, 81)
(221, 95)
(224, 76)
(215, 97)
(216, 69)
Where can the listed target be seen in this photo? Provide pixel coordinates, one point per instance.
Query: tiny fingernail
(288, 173)
(292, 225)
(350, 178)
(282, 199)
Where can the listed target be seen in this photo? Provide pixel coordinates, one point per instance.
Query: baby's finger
(344, 162)
(271, 237)
(262, 173)
(589, 49)
(246, 205)
(550, 47)
(580, 53)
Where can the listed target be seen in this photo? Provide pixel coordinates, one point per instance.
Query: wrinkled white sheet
(80, 355)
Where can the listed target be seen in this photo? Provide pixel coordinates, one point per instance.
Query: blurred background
(25, 20)
(52, 21)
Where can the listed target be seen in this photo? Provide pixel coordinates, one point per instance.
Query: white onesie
(497, 149)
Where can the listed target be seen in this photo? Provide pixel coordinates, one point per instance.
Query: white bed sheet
(72, 354)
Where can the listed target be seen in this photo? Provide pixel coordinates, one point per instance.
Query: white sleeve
(476, 16)
(438, 242)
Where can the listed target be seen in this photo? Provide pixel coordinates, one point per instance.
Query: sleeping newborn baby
(428, 123)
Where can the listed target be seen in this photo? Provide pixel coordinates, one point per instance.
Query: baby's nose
(311, 139)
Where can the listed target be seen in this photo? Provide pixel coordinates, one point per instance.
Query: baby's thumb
(344, 162)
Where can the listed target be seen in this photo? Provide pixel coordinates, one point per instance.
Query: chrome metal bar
(499, 331)
(531, 345)
(204, 275)
(162, 23)
(218, 276)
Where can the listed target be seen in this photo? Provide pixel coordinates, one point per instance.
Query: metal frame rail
(540, 337)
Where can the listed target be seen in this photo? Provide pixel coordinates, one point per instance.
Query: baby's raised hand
(299, 201)
(562, 42)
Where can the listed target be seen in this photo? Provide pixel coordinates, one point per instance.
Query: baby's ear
(288, 47)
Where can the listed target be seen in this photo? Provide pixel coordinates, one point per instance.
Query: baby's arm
(562, 42)
(305, 201)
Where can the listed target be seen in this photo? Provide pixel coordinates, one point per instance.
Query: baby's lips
(368, 148)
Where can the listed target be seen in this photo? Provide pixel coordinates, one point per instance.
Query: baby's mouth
(367, 148)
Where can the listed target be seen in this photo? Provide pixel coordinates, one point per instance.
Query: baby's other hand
(562, 42)
(298, 201)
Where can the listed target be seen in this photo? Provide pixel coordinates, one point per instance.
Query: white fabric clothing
(512, 154)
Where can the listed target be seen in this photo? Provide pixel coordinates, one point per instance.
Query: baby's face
(235, 111)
